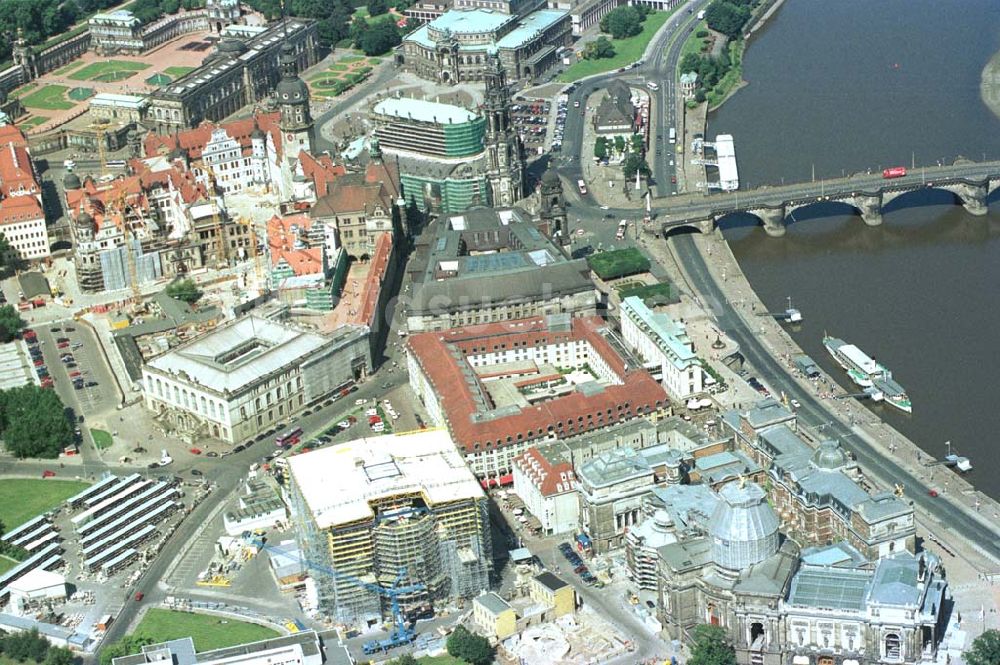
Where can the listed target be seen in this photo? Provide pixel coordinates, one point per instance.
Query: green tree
(33, 422)
(711, 647)
(126, 646)
(59, 656)
(10, 260)
(11, 323)
(726, 17)
(379, 38)
(170, 6)
(619, 144)
(377, 7)
(690, 62)
(635, 162)
(601, 148)
(184, 289)
(599, 48)
(622, 22)
(699, 96)
(985, 649)
(470, 647)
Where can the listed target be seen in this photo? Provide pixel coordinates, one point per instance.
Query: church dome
(743, 527)
(830, 456)
(71, 181)
(257, 132)
(84, 219)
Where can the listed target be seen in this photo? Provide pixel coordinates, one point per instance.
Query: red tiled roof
(20, 209)
(575, 413)
(281, 238)
(321, 170)
(17, 176)
(550, 479)
(376, 278)
(194, 140)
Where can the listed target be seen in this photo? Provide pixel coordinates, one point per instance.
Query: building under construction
(389, 511)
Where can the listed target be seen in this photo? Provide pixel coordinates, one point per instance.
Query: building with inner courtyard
(239, 73)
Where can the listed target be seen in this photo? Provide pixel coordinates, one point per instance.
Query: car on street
(62, 339)
(196, 472)
(91, 384)
(63, 345)
(343, 424)
(56, 329)
(75, 373)
(796, 404)
(196, 451)
(139, 596)
(154, 465)
(211, 453)
(673, 179)
(48, 474)
(70, 329)
(239, 449)
(932, 492)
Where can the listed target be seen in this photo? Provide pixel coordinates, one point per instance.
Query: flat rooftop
(424, 111)
(365, 470)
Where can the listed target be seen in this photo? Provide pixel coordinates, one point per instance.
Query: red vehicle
(894, 172)
(29, 334)
(63, 345)
(374, 419)
(289, 438)
(48, 474)
(74, 374)
(196, 451)
(139, 596)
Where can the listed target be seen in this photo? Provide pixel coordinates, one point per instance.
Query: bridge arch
(738, 219)
(684, 229)
(810, 210)
(894, 201)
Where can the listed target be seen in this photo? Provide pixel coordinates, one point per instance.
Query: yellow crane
(216, 220)
(98, 127)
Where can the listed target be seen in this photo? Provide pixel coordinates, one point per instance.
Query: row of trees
(31, 647)
(337, 23)
(33, 422)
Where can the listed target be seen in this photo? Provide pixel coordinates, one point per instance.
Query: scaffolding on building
(445, 550)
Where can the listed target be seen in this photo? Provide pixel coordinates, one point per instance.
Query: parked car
(139, 596)
(211, 453)
(48, 474)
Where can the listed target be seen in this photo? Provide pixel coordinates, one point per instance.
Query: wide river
(844, 86)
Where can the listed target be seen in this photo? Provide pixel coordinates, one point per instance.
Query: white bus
(673, 135)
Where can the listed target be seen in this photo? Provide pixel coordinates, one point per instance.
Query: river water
(844, 86)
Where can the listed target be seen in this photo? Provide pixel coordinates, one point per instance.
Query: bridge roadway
(971, 182)
(814, 413)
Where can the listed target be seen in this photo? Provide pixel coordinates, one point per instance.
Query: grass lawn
(443, 659)
(81, 94)
(338, 67)
(22, 91)
(627, 50)
(177, 72)
(208, 631)
(353, 58)
(112, 70)
(33, 121)
(159, 79)
(50, 98)
(692, 44)
(618, 263)
(6, 563)
(22, 499)
(102, 439)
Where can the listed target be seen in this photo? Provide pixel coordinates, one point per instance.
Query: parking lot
(531, 118)
(66, 357)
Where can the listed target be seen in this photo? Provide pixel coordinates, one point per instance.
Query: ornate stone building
(239, 73)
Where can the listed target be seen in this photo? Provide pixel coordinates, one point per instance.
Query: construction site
(403, 531)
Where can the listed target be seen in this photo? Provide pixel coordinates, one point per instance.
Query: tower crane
(258, 269)
(401, 633)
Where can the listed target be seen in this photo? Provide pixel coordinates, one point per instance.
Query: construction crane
(121, 207)
(401, 633)
(216, 220)
(258, 269)
(99, 128)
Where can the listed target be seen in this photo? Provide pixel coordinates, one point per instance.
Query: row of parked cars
(579, 567)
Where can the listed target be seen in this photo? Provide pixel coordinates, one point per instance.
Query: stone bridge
(971, 182)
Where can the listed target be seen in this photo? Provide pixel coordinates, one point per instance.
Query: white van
(652, 86)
